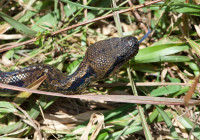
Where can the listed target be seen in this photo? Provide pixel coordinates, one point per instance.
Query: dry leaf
(95, 118)
(5, 61)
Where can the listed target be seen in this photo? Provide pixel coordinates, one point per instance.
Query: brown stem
(137, 16)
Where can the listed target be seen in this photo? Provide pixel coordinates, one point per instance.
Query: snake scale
(101, 59)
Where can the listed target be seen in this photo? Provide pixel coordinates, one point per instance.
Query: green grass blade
(168, 122)
(194, 45)
(188, 124)
(186, 8)
(179, 7)
(93, 8)
(158, 51)
(147, 132)
(17, 25)
(164, 59)
(6, 107)
(11, 128)
(153, 116)
(167, 90)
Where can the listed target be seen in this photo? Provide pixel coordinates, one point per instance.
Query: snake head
(107, 56)
(127, 48)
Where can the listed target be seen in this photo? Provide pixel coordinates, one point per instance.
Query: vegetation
(58, 33)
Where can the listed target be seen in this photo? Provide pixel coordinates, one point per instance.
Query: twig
(137, 16)
(112, 98)
(144, 84)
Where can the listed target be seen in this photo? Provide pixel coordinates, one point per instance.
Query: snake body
(101, 59)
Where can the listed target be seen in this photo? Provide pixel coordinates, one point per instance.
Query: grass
(57, 33)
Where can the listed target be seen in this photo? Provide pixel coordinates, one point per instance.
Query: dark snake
(101, 60)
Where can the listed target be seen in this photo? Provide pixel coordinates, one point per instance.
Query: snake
(101, 60)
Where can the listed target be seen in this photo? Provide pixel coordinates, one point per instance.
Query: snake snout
(131, 41)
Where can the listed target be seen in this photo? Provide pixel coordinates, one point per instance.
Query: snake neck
(55, 79)
(74, 83)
